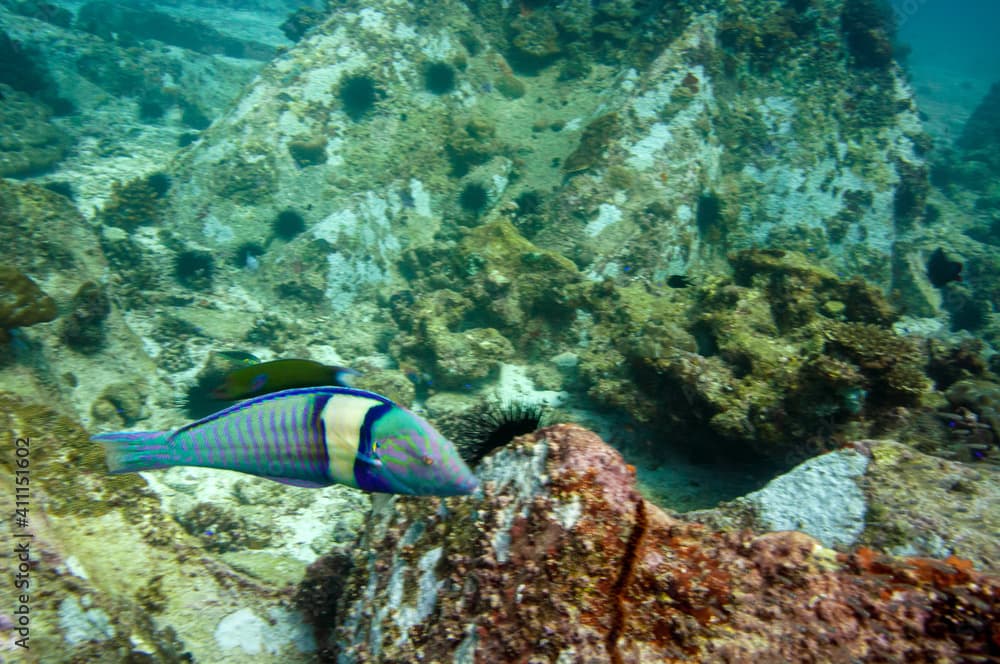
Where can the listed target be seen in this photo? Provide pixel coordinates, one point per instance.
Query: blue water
(954, 56)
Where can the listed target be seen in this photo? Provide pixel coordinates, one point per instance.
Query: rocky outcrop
(881, 494)
(392, 122)
(46, 238)
(558, 558)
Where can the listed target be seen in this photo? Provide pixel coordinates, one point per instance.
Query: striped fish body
(307, 437)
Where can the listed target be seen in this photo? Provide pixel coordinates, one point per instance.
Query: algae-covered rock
(980, 397)
(782, 353)
(558, 557)
(111, 576)
(877, 493)
(503, 277)
(464, 359)
(595, 138)
(308, 151)
(921, 505)
(29, 143)
(221, 531)
(120, 405)
(388, 382)
(451, 359)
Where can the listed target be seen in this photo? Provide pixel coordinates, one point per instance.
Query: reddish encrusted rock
(559, 559)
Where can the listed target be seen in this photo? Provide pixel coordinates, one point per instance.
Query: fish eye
(428, 461)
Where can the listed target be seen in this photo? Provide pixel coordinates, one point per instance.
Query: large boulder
(558, 558)
(684, 134)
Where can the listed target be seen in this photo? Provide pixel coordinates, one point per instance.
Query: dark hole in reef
(471, 43)
(151, 109)
(709, 215)
(61, 187)
(186, 139)
(739, 363)
(692, 467)
(474, 197)
(705, 339)
(288, 224)
(528, 64)
(358, 95)
(194, 269)
(967, 311)
(195, 118)
(439, 78)
(682, 462)
(23, 68)
(529, 221)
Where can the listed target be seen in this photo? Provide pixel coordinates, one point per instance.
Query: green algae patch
(502, 247)
(308, 151)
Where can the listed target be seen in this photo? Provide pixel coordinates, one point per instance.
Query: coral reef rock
(113, 578)
(31, 144)
(882, 494)
(558, 558)
(627, 166)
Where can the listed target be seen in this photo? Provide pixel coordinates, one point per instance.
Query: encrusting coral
(22, 302)
(479, 298)
(782, 352)
(83, 328)
(132, 204)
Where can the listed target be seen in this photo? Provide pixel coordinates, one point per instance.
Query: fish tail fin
(132, 451)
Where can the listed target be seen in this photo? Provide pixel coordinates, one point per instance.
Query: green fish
(277, 375)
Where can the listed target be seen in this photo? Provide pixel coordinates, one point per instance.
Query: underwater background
(703, 291)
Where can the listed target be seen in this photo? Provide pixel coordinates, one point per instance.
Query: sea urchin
(492, 423)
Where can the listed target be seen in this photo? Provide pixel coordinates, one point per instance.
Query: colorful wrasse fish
(309, 437)
(266, 377)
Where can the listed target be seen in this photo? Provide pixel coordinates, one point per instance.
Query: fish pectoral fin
(370, 460)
